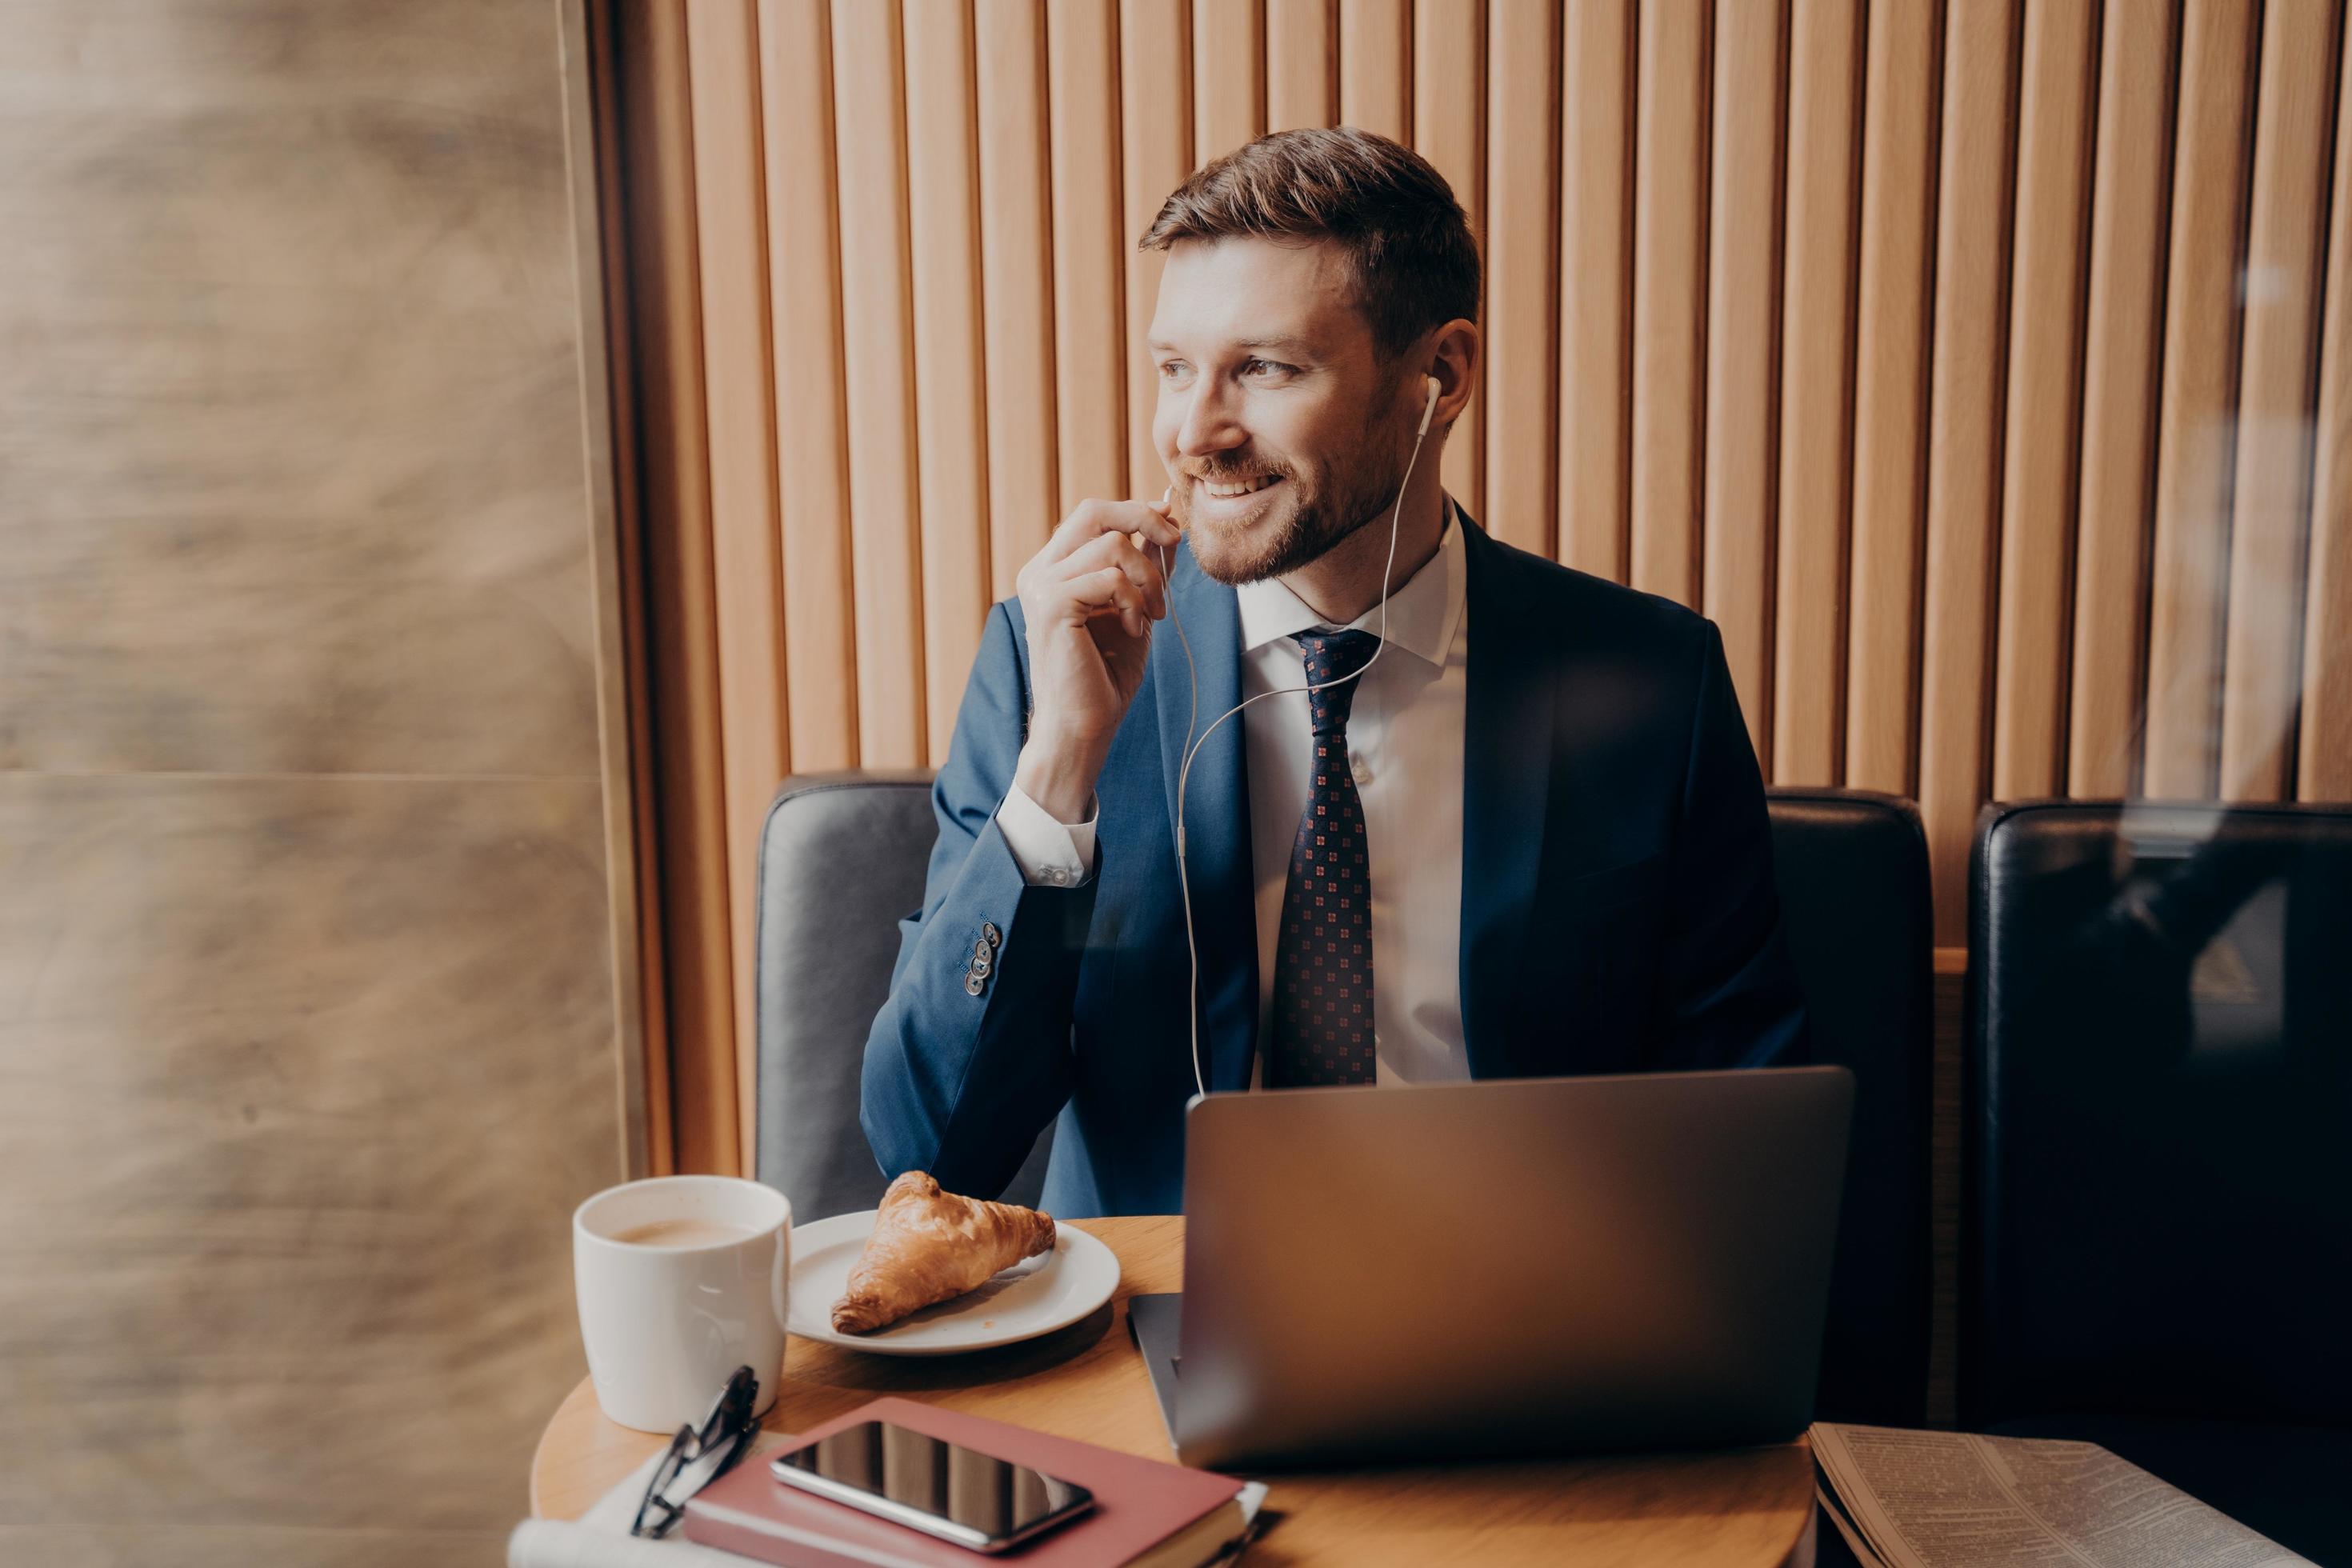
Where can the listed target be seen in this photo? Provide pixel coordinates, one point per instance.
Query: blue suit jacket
(1618, 908)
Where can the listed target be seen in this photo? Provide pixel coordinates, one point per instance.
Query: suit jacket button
(980, 964)
(983, 949)
(990, 934)
(971, 985)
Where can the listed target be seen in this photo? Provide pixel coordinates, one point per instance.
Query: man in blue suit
(1479, 816)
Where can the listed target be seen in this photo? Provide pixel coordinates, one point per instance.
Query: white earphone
(1193, 746)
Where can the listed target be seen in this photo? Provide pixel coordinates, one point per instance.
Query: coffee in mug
(681, 1279)
(683, 1233)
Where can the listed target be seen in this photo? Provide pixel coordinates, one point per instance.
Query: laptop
(1507, 1267)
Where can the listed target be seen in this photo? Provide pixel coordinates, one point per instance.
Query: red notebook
(1139, 1504)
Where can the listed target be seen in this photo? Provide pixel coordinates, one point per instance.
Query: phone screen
(929, 1484)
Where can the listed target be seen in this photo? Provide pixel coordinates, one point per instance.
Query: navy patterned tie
(1323, 959)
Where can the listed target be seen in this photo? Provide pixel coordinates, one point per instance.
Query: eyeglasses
(699, 1456)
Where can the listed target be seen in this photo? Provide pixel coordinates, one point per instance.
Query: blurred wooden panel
(1156, 67)
(2324, 758)
(1522, 279)
(1964, 437)
(723, 57)
(308, 1035)
(348, 1039)
(1228, 76)
(1375, 66)
(811, 402)
(1815, 395)
(2199, 410)
(1091, 363)
(1302, 63)
(1903, 72)
(1669, 295)
(1449, 123)
(2045, 343)
(1596, 254)
(878, 354)
(1016, 257)
(2122, 343)
(951, 386)
(1743, 318)
(2286, 226)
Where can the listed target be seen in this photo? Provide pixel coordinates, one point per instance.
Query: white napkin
(601, 1537)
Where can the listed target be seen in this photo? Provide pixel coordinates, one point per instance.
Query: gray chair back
(841, 860)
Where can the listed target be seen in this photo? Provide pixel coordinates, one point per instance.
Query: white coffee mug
(681, 1279)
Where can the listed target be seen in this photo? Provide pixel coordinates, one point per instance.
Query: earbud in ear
(1429, 408)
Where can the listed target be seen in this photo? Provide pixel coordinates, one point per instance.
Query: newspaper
(1941, 1500)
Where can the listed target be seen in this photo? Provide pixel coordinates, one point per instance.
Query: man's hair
(1405, 237)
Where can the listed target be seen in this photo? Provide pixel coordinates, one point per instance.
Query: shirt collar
(1422, 612)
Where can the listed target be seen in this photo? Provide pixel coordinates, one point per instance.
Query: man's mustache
(1231, 473)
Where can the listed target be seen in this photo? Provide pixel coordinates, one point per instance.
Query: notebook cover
(1137, 1503)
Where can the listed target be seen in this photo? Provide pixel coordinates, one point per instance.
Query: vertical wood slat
(1302, 63)
(1898, 193)
(2324, 759)
(1522, 234)
(1815, 390)
(1669, 295)
(626, 738)
(1375, 66)
(2262, 665)
(2038, 484)
(1449, 122)
(1964, 437)
(1016, 264)
(682, 616)
(1228, 76)
(878, 364)
(723, 56)
(2123, 346)
(951, 385)
(1091, 363)
(1156, 148)
(810, 399)
(1742, 345)
(1596, 255)
(2199, 401)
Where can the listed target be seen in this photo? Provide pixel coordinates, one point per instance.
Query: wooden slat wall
(1980, 368)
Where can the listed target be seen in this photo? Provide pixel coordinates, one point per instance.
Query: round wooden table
(1748, 1506)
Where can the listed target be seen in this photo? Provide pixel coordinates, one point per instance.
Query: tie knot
(1334, 656)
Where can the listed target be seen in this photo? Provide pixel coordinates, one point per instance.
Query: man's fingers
(1109, 592)
(1117, 550)
(1093, 518)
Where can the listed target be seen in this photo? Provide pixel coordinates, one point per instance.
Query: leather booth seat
(2158, 1192)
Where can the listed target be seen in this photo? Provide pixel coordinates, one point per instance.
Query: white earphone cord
(1192, 747)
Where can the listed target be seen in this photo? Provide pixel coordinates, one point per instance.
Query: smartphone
(944, 1490)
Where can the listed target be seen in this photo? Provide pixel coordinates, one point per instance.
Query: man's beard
(1318, 519)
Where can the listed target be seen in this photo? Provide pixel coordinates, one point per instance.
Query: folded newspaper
(1941, 1500)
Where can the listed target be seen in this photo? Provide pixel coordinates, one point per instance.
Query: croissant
(931, 1246)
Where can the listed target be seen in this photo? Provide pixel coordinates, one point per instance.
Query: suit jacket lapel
(1215, 829)
(1506, 756)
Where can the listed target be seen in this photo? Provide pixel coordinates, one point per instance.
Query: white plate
(1036, 1296)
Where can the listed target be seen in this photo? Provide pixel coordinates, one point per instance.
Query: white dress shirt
(1405, 742)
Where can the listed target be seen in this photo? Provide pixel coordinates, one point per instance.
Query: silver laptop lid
(1514, 1266)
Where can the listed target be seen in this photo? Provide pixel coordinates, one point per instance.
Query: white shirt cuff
(1050, 854)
